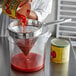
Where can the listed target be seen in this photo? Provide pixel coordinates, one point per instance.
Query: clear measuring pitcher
(28, 47)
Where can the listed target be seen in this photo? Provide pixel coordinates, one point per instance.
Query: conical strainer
(26, 39)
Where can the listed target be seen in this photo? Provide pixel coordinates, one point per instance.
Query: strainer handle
(59, 21)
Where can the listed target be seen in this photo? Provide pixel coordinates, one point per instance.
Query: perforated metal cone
(26, 44)
(24, 39)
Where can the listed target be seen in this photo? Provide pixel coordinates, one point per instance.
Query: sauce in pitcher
(33, 62)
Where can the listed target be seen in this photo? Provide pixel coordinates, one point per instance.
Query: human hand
(24, 8)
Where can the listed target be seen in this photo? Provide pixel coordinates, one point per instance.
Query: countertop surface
(50, 69)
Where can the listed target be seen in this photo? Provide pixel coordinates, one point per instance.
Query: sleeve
(44, 9)
(0, 11)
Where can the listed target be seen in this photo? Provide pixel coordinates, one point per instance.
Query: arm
(41, 12)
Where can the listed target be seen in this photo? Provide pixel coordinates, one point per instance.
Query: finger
(24, 2)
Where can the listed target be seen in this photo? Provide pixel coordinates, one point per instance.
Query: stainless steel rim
(31, 23)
